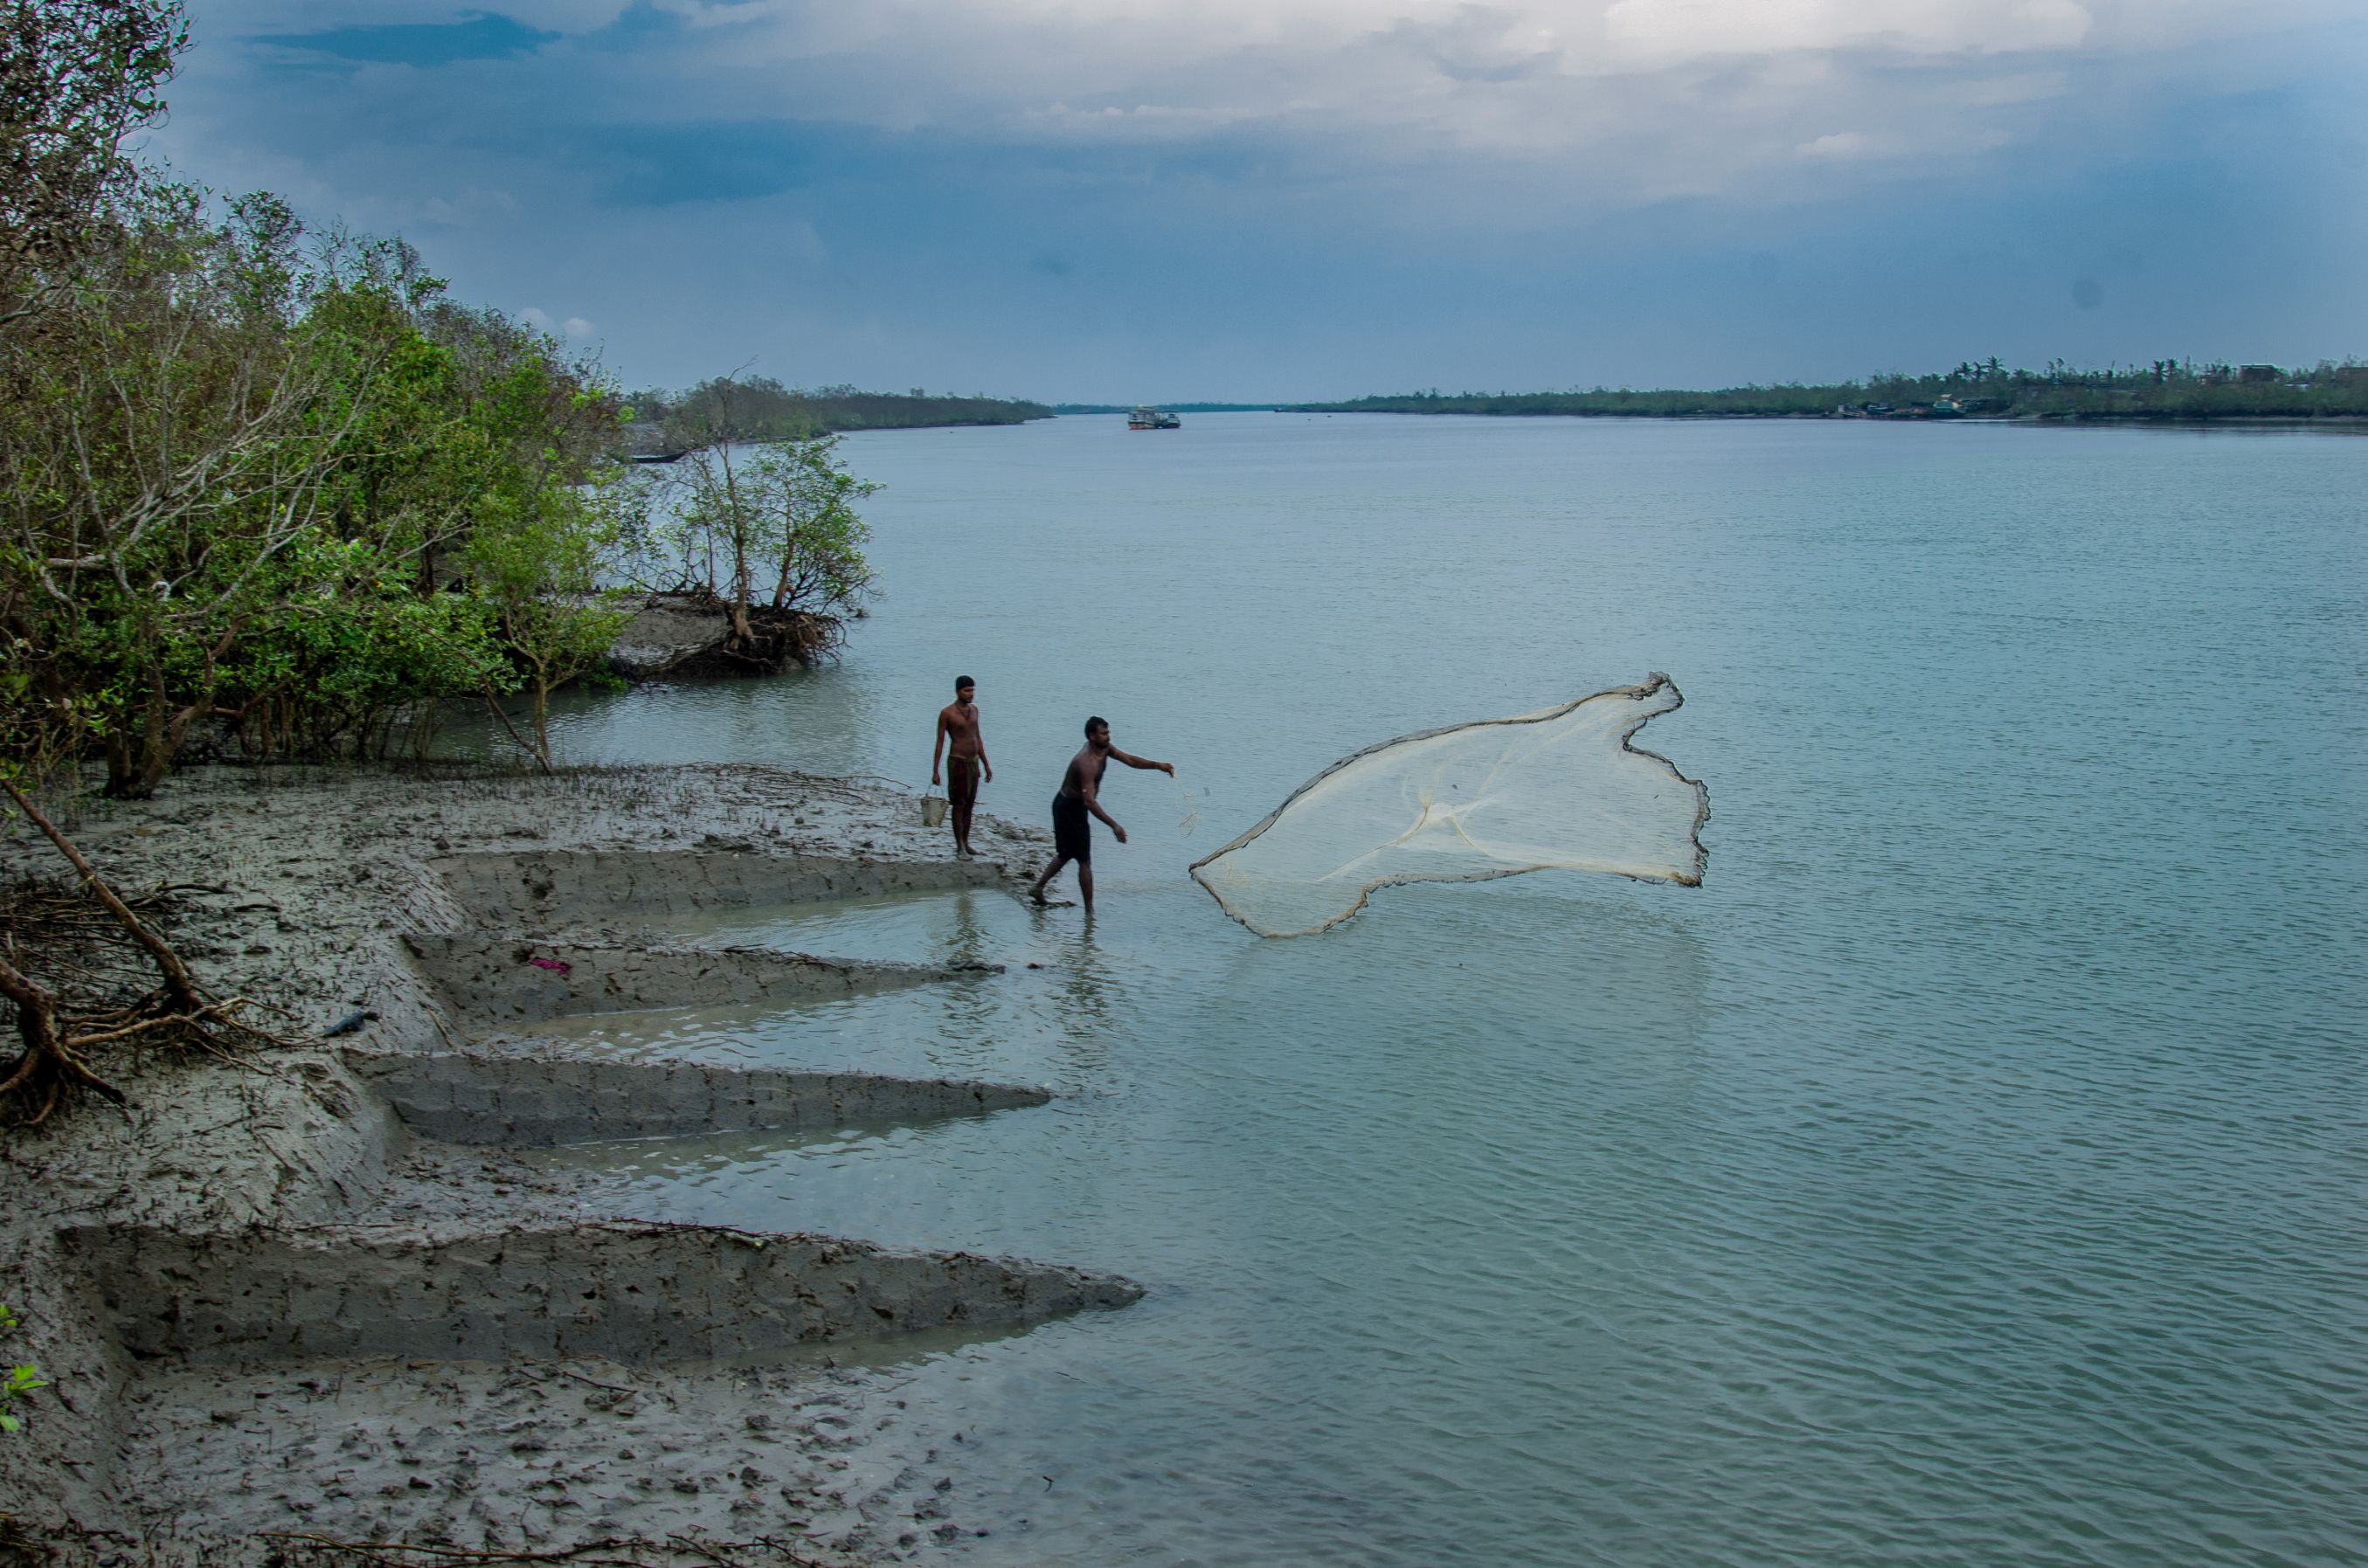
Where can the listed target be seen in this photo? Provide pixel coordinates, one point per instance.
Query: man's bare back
(1079, 798)
(1084, 775)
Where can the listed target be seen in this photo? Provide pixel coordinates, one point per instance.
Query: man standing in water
(959, 734)
(1080, 789)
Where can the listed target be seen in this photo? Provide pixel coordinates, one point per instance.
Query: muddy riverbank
(318, 1298)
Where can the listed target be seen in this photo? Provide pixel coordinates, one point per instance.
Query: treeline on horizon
(1069, 408)
(760, 408)
(2163, 389)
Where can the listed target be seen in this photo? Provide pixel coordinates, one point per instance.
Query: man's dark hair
(1096, 722)
(961, 681)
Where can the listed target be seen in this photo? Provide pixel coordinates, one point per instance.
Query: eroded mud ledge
(523, 1099)
(191, 1277)
(617, 1290)
(491, 978)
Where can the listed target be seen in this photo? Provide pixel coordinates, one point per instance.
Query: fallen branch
(386, 1552)
(180, 986)
(90, 967)
(410, 1554)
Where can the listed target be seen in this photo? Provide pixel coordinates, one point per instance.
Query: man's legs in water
(1050, 872)
(1085, 880)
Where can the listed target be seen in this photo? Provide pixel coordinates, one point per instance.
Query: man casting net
(1561, 786)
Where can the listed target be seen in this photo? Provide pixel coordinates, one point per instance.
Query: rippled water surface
(1971, 1171)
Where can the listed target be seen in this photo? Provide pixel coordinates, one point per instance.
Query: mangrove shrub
(259, 488)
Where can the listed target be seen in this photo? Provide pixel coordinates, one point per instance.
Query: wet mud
(317, 1296)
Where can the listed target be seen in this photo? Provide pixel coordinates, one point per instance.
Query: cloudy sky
(1119, 199)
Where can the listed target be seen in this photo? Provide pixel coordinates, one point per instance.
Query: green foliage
(19, 1381)
(774, 524)
(802, 499)
(77, 77)
(279, 488)
(534, 561)
(2164, 389)
(272, 491)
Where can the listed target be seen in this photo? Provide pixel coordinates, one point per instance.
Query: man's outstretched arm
(1144, 763)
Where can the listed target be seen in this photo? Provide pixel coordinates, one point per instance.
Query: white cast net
(1560, 788)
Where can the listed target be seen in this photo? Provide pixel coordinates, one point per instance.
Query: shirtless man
(1081, 790)
(964, 748)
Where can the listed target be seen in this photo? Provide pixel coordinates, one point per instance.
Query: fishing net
(1187, 815)
(1561, 788)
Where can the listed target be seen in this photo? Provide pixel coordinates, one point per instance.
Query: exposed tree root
(763, 640)
(83, 1007)
(50, 1065)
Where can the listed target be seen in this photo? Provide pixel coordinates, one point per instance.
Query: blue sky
(1299, 199)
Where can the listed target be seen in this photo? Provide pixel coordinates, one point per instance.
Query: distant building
(2259, 375)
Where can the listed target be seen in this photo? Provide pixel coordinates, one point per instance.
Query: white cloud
(1627, 99)
(1533, 107)
(1685, 29)
(1839, 144)
(716, 13)
(574, 328)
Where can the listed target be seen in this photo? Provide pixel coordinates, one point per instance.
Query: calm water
(1971, 1171)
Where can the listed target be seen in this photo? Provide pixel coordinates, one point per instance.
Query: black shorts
(1073, 831)
(961, 780)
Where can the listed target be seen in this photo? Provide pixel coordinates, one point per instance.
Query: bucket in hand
(933, 811)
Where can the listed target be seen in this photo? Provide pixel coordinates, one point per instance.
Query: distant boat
(1149, 418)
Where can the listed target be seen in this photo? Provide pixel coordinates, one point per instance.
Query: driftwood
(180, 988)
(614, 1551)
(56, 1028)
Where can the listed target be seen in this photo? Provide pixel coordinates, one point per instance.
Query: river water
(1974, 1170)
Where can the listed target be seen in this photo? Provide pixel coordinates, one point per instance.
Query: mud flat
(317, 1299)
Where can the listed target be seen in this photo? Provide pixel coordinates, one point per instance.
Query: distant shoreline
(2159, 392)
(665, 424)
(2162, 421)
(2186, 420)
(1067, 409)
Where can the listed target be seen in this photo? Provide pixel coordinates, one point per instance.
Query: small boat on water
(1149, 418)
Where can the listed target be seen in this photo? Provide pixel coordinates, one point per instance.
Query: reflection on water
(1968, 1173)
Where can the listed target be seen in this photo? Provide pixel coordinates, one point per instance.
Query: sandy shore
(323, 1296)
